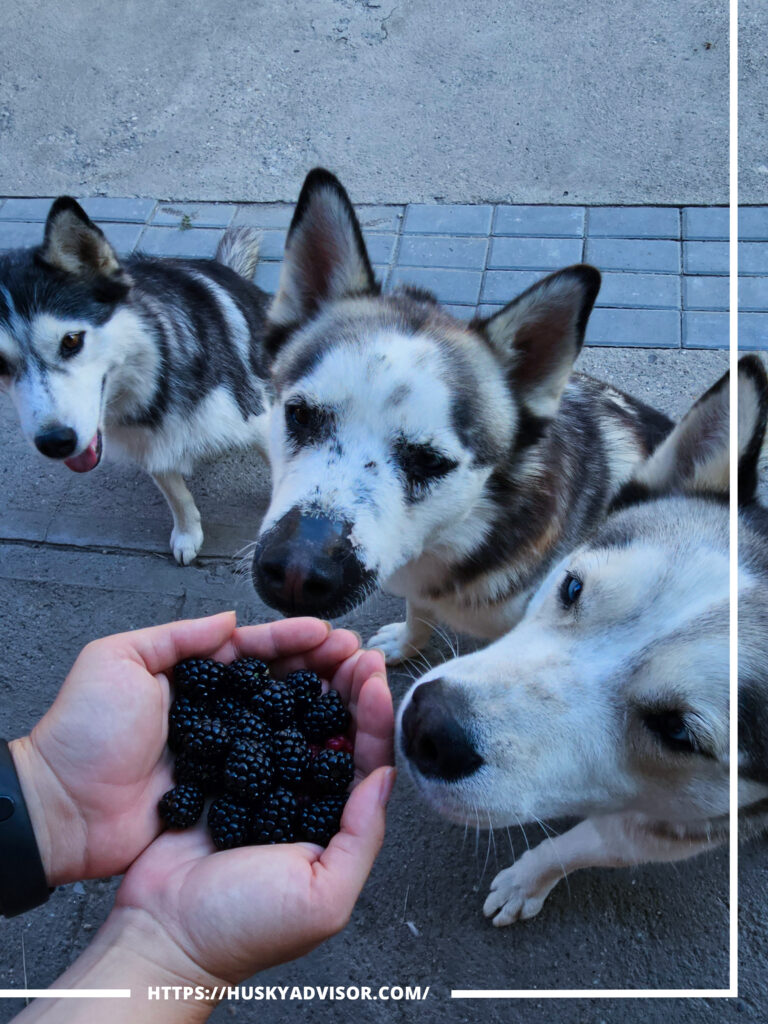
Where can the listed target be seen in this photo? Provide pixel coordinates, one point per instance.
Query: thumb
(349, 856)
(161, 647)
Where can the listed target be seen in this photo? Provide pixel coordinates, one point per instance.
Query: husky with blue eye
(159, 360)
(610, 700)
(449, 463)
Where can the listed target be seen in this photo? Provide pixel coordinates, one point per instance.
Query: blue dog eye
(570, 590)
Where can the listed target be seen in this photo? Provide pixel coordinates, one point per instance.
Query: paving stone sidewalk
(665, 269)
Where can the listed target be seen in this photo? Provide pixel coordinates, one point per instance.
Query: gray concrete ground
(85, 556)
(556, 101)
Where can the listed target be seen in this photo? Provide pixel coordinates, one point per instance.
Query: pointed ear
(325, 255)
(695, 457)
(74, 245)
(540, 334)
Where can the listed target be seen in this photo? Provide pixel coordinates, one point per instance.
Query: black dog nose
(306, 565)
(433, 736)
(57, 443)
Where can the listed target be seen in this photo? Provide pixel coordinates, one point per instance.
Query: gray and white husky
(450, 463)
(159, 358)
(609, 700)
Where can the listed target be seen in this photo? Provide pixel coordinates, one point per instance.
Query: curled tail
(239, 250)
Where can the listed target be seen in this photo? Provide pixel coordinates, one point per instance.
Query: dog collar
(23, 884)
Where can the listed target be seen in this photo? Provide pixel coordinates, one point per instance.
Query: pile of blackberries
(274, 755)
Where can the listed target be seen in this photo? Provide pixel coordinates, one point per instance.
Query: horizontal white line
(65, 993)
(602, 993)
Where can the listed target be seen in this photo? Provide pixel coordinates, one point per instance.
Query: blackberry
(248, 771)
(275, 705)
(181, 806)
(229, 823)
(291, 756)
(306, 688)
(326, 717)
(227, 709)
(198, 678)
(331, 772)
(182, 718)
(276, 819)
(205, 774)
(320, 821)
(246, 677)
(207, 739)
(248, 726)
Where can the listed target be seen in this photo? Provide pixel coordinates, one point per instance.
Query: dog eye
(670, 727)
(570, 590)
(299, 414)
(4, 367)
(72, 343)
(422, 462)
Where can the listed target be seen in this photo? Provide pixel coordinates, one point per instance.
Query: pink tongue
(88, 459)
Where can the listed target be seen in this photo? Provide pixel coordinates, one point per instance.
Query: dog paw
(515, 896)
(185, 545)
(394, 641)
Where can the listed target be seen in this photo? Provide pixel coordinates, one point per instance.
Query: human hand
(214, 918)
(94, 767)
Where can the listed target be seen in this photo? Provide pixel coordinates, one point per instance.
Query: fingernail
(327, 625)
(385, 789)
(359, 638)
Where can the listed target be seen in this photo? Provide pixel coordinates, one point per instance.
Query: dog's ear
(325, 255)
(540, 334)
(695, 457)
(75, 245)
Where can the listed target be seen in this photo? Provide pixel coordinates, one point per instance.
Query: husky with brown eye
(610, 700)
(159, 361)
(452, 464)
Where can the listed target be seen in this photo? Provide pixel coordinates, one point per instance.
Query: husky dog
(450, 463)
(609, 700)
(159, 358)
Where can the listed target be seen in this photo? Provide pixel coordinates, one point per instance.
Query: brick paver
(664, 269)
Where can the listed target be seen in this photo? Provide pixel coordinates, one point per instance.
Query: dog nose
(57, 443)
(433, 736)
(306, 565)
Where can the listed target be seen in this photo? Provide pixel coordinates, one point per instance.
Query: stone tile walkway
(665, 282)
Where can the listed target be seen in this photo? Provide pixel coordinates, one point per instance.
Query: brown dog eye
(72, 343)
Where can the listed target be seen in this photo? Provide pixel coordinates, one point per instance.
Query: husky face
(390, 415)
(612, 693)
(59, 317)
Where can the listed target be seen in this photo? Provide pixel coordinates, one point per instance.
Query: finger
(351, 674)
(375, 726)
(325, 658)
(271, 640)
(161, 647)
(345, 864)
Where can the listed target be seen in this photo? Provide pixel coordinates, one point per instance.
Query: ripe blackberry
(331, 772)
(198, 678)
(207, 739)
(248, 771)
(246, 677)
(276, 819)
(181, 806)
(229, 823)
(182, 718)
(290, 755)
(248, 726)
(204, 774)
(320, 821)
(326, 717)
(227, 709)
(306, 688)
(275, 705)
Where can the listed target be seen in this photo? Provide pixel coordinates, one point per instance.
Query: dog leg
(402, 640)
(611, 841)
(187, 533)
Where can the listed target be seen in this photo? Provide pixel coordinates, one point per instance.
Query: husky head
(57, 308)
(390, 415)
(612, 692)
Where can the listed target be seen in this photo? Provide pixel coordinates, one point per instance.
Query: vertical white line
(733, 71)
